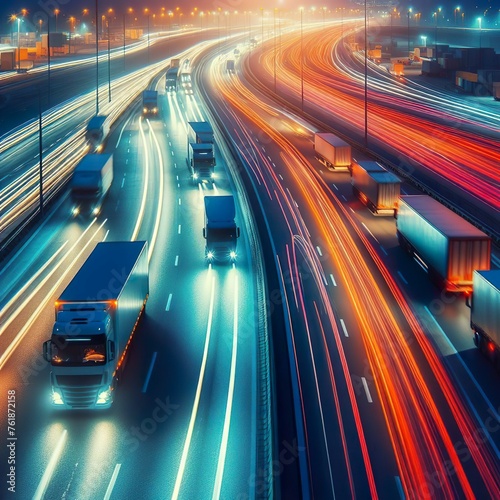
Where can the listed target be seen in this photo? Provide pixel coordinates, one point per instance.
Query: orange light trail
(421, 441)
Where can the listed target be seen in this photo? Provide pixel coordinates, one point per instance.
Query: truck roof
(201, 127)
(384, 177)
(492, 276)
(332, 139)
(201, 146)
(96, 121)
(104, 273)
(150, 93)
(442, 218)
(370, 166)
(92, 162)
(220, 208)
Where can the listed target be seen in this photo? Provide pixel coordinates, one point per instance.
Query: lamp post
(479, 20)
(97, 57)
(18, 43)
(409, 12)
(275, 9)
(56, 12)
(457, 9)
(366, 77)
(146, 10)
(110, 13)
(71, 21)
(301, 60)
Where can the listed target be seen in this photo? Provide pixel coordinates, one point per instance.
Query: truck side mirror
(237, 232)
(204, 234)
(47, 351)
(111, 350)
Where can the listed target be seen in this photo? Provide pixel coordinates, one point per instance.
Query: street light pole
(18, 43)
(301, 60)
(366, 78)
(110, 11)
(409, 12)
(97, 57)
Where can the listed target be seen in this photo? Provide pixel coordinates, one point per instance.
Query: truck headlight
(232, 255)
(75, 211)
(195, 176)
(96, 211)
(57, 398)
(212, 175)
(210, 255)
(104, 397)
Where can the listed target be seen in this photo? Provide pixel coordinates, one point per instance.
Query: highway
(185, 413)
(363, 316)
(460, 155)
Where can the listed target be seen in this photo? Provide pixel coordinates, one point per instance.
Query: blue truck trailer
(96, 317)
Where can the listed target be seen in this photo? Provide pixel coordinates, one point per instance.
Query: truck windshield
(221, 235)
(78, 351)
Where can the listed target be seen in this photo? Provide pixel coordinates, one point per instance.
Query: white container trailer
(332, 151)
(449, 247)
(485, 313)
(376, 187)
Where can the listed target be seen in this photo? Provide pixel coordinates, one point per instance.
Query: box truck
(150, 102)
(376, 187)
(200, 132)
(97, 132)
(485, 313)
(220, 231)
(96, 317)
(171, 80)
(332, 151)
(443, 243)
(90, 183)
(230, 66)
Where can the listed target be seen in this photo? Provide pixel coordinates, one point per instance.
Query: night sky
(37, 8)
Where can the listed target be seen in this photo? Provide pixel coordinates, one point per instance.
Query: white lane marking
(112, 482)
(383, 250)
(371, 234)
(159, 205)
(365, 385)
(402, 277)
(169, 301)
(345, 199)
(11, 318)
(47, 475)
(230, 394)
(145, 188)
(179, 229)
(27, 325)
(319, 251)
(280, 176)
(182, 465)
(150, 371)
(123, 182)
(344, 329)
(176, 260)
(179, 201)
(333, 280)
(335, 186)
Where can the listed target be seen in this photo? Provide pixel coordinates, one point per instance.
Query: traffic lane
(31, 367)
(23, 92)
(445, 314)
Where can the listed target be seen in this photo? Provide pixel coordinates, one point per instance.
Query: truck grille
(79, 391)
